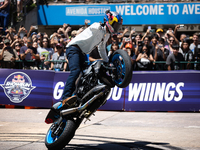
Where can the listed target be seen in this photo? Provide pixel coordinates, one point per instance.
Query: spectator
(146, 41)
(125, 41)
(160, 32)
(129, 49)
(8, 55)
(144, 59)
(182, 37)
(4, 13)
(120, 36)
(161, 54)
(17, 47)
(138, 38)
(31, 33)
(171, 42)
(132, 37)
(28, 53)
(147, 33)
(114, 47)
(35, 44)
(73, 33)
(195, 39)
(60, 56)
(127, 46)
(154, 42)
(19, 10)
(45, 52)
(174, 57)
(197, 57)
(1, 45)
(169, 34)
(115, 39)
(187, 53)
(40, 39)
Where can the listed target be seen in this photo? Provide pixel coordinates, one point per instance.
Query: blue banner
(133, 14)
(169, 91)
(148, 91)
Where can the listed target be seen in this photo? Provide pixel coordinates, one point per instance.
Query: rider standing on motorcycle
(83, 43)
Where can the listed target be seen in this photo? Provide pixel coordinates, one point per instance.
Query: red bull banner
(148, 91)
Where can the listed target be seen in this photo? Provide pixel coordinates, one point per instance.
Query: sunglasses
(29, 42)
(58, 47)
(171, 40)
(7, 43)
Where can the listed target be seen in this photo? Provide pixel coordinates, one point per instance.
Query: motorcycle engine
(87, 83)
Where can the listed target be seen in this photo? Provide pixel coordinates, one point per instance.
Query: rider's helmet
(113, 21)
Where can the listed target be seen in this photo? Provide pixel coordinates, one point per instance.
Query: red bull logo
(17, 86)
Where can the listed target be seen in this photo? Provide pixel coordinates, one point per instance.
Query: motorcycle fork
(57, 127)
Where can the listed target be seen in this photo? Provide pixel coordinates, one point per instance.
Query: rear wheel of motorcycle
(59, 142)
(122, 62)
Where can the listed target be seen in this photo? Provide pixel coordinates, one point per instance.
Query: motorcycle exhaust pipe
(81, 108)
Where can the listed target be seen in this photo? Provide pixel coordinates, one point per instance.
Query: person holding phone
(144, 60)
(161, 54)
(29, 53)
(8, 55)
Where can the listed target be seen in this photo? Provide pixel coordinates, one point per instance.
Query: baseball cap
(33, 33)
(6, 41)
(159, 30)
(128, 45)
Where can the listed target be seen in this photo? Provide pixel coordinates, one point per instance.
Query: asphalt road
(22, 129)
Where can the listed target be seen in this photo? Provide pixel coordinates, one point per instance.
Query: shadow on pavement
(128, 144)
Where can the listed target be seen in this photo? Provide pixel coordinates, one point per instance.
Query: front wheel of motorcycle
(60, 135)
(122, 62)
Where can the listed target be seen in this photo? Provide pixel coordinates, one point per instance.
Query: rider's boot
(66, 103)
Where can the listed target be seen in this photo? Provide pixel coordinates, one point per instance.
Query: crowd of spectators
(153, 50)
(159, 50)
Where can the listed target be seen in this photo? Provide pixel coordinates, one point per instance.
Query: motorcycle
(92, 89)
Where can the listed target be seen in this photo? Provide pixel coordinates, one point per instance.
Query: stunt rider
(83, 43)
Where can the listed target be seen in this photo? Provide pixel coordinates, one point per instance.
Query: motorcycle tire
(122, 62)
(64, 137)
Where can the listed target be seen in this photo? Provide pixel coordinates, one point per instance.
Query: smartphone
(87, 21)
(181, 25)
(36, 27)
(160, 45)
(152, 30)
(149, 27)
(127, 40)
(133, 29)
